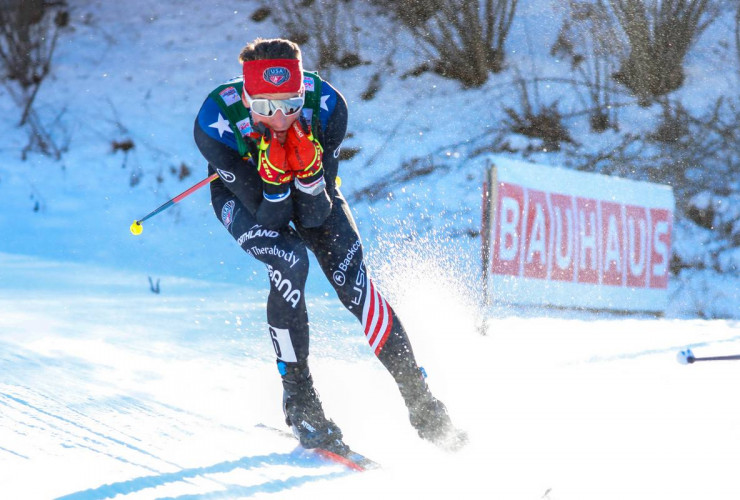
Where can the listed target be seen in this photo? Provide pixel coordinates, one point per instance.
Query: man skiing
(273, 136)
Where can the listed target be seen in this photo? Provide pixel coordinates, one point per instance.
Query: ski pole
(136, 227)
(686, 357)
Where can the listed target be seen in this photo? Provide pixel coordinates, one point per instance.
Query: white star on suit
(222, 125)
(324, 98)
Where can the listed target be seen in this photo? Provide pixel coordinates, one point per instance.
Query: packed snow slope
(109, 390)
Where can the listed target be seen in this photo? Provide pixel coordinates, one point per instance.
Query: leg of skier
(285, 256)
(338, 249)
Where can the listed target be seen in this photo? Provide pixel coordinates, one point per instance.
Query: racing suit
(257, 225)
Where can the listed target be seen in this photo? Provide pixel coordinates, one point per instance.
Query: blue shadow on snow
(246, 463)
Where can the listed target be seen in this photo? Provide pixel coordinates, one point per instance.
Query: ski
(352, 459)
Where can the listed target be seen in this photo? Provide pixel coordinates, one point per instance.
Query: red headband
(272, 76)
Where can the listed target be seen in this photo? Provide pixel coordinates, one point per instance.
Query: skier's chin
(280, 135)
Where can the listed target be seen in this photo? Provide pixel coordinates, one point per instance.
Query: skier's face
(278, 122)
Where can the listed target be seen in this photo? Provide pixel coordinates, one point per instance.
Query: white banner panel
(553, 236)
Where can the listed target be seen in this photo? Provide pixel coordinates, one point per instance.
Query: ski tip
(333, 457)
(349, 458)
(352, 460)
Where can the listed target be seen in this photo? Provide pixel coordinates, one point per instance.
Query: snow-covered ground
(109, 390)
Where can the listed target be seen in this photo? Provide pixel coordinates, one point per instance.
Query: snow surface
(111, 391)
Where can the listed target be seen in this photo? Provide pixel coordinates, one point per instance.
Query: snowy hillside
(111, 391)
(136, 72)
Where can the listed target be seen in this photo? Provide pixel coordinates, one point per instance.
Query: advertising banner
(559, 237)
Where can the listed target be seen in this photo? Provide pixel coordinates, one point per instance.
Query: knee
(288, 282)
(350, 279)
(287, 267)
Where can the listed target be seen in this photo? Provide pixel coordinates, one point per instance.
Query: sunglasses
(268, 107)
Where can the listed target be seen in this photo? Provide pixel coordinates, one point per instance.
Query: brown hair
(272, 48)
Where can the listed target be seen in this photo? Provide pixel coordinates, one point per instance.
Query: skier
(273, 136)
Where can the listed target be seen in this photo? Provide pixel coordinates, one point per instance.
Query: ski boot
(304, 413)
(428, 415)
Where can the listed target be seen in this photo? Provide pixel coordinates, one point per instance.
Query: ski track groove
(14, 453)
(237, 491)
(85, 416)
(84, 433)
(186, 475)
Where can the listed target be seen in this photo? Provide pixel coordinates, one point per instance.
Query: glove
(272, 161)
(304, 152)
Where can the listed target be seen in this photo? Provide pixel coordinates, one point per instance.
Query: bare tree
(660, 34)
(29, 30)
(326, 29)
(589, 40)
(536, 120)
(464, 38)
